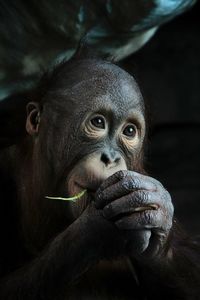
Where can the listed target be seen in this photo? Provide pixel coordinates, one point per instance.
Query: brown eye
(130, 130)
(98, 122)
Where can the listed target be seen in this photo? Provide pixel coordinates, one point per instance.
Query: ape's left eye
(130, 130)
(98, 122)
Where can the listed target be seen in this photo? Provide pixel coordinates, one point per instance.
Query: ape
(84, 129)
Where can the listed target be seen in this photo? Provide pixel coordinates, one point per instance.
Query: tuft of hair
(48, 77)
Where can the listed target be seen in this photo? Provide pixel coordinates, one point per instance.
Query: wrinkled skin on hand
(141, 207)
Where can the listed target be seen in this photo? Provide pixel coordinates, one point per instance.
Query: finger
(124, 174)
(139, 221)
(121, 188)
(113, 179)
(157, 242)
(138, 241)
(137, 201)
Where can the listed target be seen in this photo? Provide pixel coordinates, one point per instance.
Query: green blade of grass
(73, 199)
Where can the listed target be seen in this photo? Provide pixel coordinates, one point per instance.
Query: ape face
(91, 126)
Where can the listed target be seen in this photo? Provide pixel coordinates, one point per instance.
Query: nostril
(117, 159)
(105, 159)
(109, 159)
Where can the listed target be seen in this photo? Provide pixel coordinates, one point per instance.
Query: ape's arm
(79, 247)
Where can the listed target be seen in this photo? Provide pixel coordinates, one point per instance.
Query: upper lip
(90, 187)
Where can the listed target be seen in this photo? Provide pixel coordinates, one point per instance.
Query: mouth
(74, 188)
(91, 185)
(77, 183)
(91, 189)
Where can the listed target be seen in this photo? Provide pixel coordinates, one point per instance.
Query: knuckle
(168, 197)
(165, 221)
(121, 174)
(156, 183)
(171, 210)
(131, 201)
(142, 196)
(137, 196)
(168, 202)
(155, 186)
(135, 182)
(147, 217)
(131, 183)
(126, 185)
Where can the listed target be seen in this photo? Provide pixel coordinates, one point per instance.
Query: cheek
(134, 159)
(61, 151)
(137, 162)
(72, 187)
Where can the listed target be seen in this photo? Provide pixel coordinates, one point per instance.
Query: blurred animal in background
(35, 35)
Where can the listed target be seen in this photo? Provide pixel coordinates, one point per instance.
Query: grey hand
(140, 206)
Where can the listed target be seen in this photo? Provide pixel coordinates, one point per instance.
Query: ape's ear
(33, 118)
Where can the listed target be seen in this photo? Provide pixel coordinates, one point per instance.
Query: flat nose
(110, 158)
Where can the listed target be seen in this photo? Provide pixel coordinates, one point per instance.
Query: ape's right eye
(98, 122)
